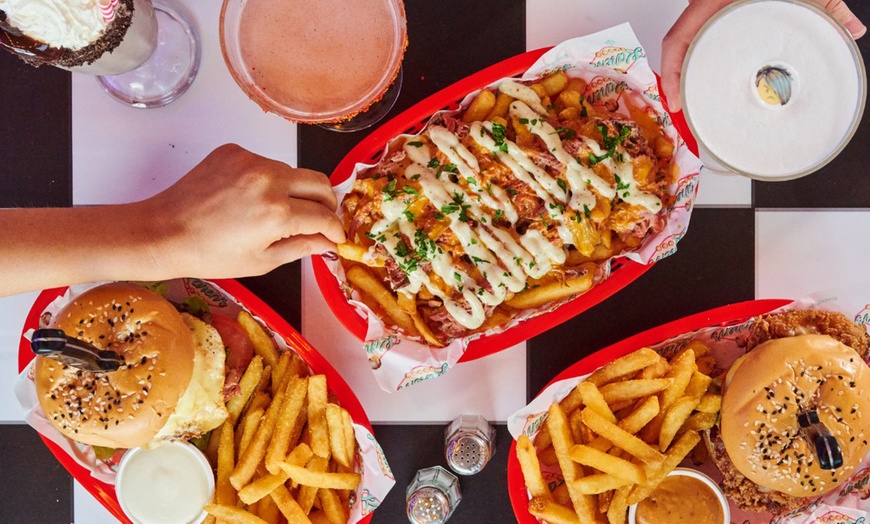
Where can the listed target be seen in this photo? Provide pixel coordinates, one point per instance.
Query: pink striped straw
(107, 8)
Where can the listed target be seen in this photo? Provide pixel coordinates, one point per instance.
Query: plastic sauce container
(685, 496)
(167, 484)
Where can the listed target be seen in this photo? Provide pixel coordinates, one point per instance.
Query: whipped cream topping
(67, 24)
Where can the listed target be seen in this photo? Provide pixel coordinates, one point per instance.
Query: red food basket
(370, 150)
(105, 493)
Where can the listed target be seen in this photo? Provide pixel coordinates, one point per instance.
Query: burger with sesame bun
(794, 411)
(169, 386)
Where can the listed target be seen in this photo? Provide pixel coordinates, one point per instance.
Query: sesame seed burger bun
(169, 387)
(796, 362)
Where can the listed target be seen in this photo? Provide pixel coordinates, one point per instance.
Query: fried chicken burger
(801, 367)
(171, 382)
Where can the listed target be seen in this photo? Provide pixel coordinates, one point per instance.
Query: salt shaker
(432, 496)
(469, 443)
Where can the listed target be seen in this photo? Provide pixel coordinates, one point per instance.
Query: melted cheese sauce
(505, 262)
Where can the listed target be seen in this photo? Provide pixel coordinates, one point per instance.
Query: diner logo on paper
(863, 316)
(652, 92)
(376, 349)
(421, 373)
(859, 485)
(618, 58)
(206, 291)
(835, 517)
(382, 459)
(369, 502)
(605, 91)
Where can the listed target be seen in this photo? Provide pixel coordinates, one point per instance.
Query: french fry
(291, 406)
(268, 510)
(700, 421)
(256, 450)
(247, 428)
(356, 253)
(549, 511)
(332, 506)
(601, 482)
(317, 400)
(479, 107)
(554, 83)
(676, 453)
(306, 477)
(674, 419)
(614, 466)
(595, 401)
(623, 366)
(632, 423)
(531, 469)
(288, 506)
(380, 294)
(584, 505)
(279, 371)
(335, 425)
(682, 368)
(224, 492)
(618, 506)
(263, 344)
(308, 494)
(621, 438)
(538, 296)
(247, 384)
(349, 437)
(233, 515)
(631, 389)
(266, 484)
(500, 108)
(710, 403)
(698, 384)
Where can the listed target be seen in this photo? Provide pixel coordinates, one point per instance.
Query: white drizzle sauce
(503, 261)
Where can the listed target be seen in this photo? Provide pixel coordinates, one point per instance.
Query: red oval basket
(623, 271)
(105, 493)
(731, 313)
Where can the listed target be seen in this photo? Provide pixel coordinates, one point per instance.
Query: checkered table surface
(63, 142)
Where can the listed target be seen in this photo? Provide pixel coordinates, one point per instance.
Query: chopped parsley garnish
(402, 249)
(390, 190)
(416, 143)
(498, 133)
(471, 180)
(610, 142)
(479, 260)
(433, 163)
(524, 121)
(620, 185)
(498, 214)
(594, 159)
(409, 215)
(511, 192)
(450, 168)
(587, 211)
(566, 133)
(457, 276)
(561, 183)
(457, 205)
(410, 190)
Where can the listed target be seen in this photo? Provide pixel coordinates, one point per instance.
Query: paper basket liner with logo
(615, 66)
(229, 297)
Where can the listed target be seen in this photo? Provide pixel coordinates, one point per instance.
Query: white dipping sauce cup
(167, 484)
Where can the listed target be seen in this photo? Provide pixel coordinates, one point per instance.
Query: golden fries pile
(617, 435)
(424, 224)
(285, 453)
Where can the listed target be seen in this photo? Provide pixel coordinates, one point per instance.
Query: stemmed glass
(154, 63)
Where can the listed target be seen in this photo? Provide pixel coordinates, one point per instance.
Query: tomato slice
(236, 340)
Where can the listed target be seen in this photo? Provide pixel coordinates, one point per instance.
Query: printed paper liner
(719, 328)
(615, 62)
(222, 295)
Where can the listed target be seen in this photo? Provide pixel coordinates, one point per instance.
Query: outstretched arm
(678, 39)
(235, 214)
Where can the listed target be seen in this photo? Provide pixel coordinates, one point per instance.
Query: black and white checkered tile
(62, 142)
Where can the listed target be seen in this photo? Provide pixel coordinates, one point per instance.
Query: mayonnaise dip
(168, 484)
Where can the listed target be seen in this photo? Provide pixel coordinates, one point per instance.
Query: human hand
(239, 214)
(676, 42)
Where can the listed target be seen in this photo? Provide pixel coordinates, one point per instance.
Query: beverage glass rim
(230, 49)
(856, 118)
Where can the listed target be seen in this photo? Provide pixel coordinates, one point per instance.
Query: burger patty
(810, 322)
(742, 491)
